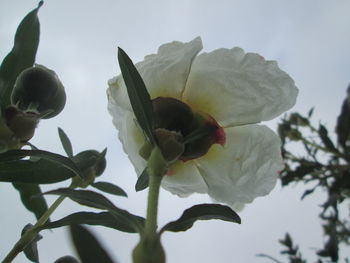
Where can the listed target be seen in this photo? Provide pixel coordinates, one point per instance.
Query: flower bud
(38, 88)
(21, 123)
(7, 139)
(92, 165)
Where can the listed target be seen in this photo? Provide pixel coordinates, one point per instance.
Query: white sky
(309, 39)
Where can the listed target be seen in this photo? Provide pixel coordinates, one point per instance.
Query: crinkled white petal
(165, 73)
(237, 88)
(115, 110)
(245, 168)
(132, 139)
(184, 179)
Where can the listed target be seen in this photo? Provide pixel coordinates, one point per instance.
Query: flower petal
(165, 73)
(237, 88)
(132, 139)
(247, 167)
(184, 179)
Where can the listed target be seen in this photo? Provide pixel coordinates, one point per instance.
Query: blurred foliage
(324, 164)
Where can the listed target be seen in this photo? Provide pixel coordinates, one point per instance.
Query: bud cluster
(37, 94)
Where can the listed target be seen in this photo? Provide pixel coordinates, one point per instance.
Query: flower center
(199, 131)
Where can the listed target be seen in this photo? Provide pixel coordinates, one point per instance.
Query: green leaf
(109, 188)
(88, 247)
(67, 146)
(31, 198)
(307, 192)
(93, 199)
(105, 219)
(14, 155)
(343, 122)
(66, 259)
(22, 55)
(39, 172)
(142, 181)
(322, 131)
(31, 250)
(202, 212)
(311, 112)
(139, 97)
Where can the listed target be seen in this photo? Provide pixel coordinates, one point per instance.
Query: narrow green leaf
(202, 212)
(14, 155)
(22, 55)
(139, 97)
(343, 122)
(31, 198)
(67, 146)
(311, 112)
(88, 247)
(307, 192)
(142, 181)
(93, 199)
(105, 219)
(109, 188)
(322, 131)
(31, 250)
(39, 172)
(66, 259)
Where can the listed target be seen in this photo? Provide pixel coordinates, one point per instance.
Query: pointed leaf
(311, 112)
(322, 131)
(105, 219)
(31, 198)
(202, 212)
(109, 188)
(22, 55)
(93, 199)
(139, 97)
(39, 172)
(88, 247)
(343, 122)
(31, 250)
(14, 155)
(307, 192)
(67, 146)
(142, 181)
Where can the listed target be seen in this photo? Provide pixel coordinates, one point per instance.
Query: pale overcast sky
(309, 39)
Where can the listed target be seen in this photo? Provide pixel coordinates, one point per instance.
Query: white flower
(236, 89)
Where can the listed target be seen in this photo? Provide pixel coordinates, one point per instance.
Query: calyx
(182, 133)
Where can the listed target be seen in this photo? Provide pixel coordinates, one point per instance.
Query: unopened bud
(21, 123)
(39, 88)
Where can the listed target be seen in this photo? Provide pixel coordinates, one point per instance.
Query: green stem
(152, 206)
(29, 235)
(150, 250)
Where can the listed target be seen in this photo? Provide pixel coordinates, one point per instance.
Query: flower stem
(152, 205)
(149, 249)
(30, 234)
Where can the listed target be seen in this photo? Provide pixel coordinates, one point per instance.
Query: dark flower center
(199, 131)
